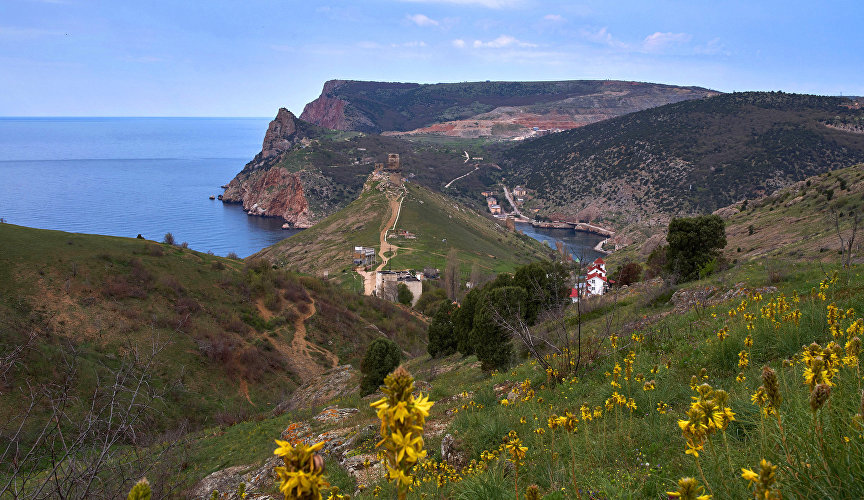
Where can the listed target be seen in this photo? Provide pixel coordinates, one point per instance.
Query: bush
(382, 357)
(168, 239)
(403, 294)
(693, 243)
(629, 274)
(442, 339)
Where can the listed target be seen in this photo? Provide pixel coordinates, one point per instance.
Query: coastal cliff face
(266, 189)
(273, 192)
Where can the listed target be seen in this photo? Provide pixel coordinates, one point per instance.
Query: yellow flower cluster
(688, 489)
(822, 363)
(402, 419)
(707, 414)
(301, 476)
(763, 481)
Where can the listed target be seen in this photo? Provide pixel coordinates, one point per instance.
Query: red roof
(574, 293)
(600, 261)
(596, 275)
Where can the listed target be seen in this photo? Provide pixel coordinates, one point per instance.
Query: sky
(250, 57)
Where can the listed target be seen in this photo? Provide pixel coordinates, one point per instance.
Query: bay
(580, 244)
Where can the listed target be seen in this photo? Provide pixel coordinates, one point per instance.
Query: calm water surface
(579, 243)
(124, 176)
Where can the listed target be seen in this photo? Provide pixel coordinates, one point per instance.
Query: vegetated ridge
(472, 109)
(690, 157)
(228, 332)
(305, 173)
(803, 221)
(437, 223)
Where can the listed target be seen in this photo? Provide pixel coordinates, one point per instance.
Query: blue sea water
(579, 243)
(125, 176)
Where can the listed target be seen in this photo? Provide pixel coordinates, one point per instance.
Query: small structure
(593, 283)
(495, 209)
(520, 191)
(364, 256)
(387, 281)
(393, 162)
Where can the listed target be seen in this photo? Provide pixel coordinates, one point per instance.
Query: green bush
(403, 294)
(442, 338)
(382, 357)
(693, 243)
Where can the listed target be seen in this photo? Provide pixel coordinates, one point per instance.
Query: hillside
(439, 224)
(215, 339)
(684, 158)
(800, 221)
(612, 428)
(474, 109)
(305, 173)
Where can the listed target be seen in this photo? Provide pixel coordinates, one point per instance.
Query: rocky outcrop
(340, 381)
(266, 189)
(271, 193)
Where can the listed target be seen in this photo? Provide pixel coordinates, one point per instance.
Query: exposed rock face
(272, 192)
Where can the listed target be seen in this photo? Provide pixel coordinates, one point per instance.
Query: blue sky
(249, 57)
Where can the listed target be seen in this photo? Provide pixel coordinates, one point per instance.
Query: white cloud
(458, 43)
(410, 44)
(659, 42)
(604, 37)
(501, 42)
(491, 4)
(422, 20)
(555, 18)
(368, 45)
(712, 48)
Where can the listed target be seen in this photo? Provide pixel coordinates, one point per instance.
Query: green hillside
(689, 157)
(217, 339)
(439, 224)
(801, 221)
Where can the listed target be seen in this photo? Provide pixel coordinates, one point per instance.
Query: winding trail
(476, 168)
(306, 366)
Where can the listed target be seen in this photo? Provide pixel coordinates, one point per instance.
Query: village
(382, 281)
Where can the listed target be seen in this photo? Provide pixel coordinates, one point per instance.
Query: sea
(152, 176)
(130, 176)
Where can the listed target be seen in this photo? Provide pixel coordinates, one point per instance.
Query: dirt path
(300, 351)
(386, 246)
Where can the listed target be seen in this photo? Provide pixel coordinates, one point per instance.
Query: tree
(403, 294)
(693, 243)
(463, 322)
(491, 340)
(442, 339)
(629, 274)
(451, 275)
(382, 357)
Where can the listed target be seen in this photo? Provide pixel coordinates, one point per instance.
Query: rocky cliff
(477, 109)
(266, 189)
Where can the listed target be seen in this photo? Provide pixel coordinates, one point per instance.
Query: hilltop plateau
(475, 109)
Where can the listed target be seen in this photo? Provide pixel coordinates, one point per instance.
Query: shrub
(382, 357)
(168, 239)
(693, 243)
(403, 294)
(233, 256)
(442, 339)
(629, 274)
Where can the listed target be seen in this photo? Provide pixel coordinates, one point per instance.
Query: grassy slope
(641, 455)
(431, 216)
(434, 218)
(105, 294)
(797, 222)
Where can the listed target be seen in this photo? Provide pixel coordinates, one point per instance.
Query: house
(520, 191)
(594, 282)
(387, 281)
(495, 209)
(364, 256)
